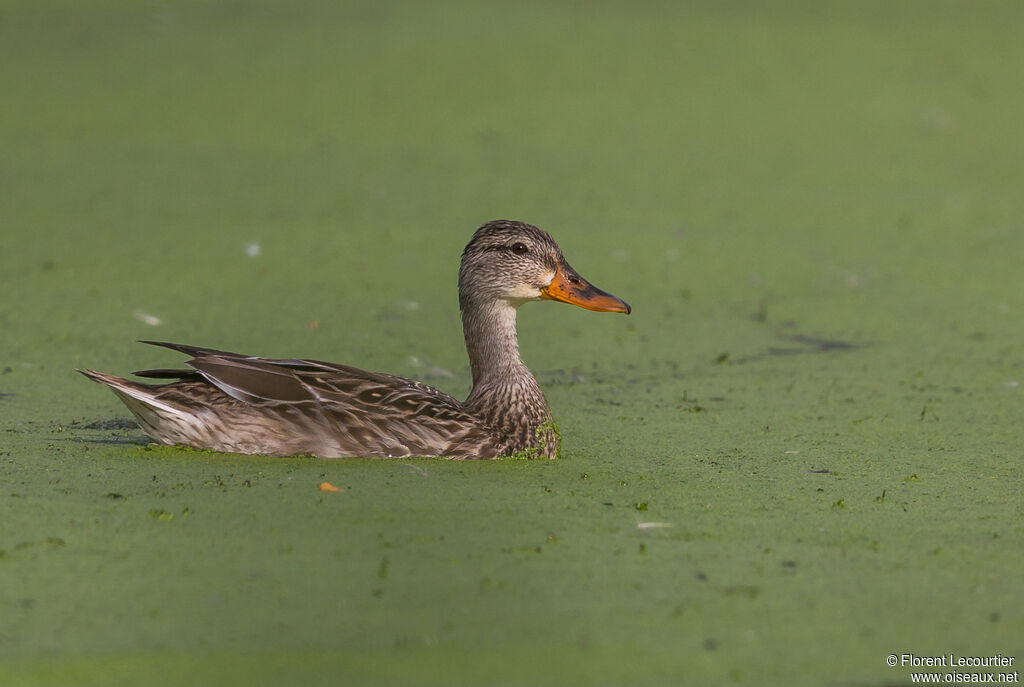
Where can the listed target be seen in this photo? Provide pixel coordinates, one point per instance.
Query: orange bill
(570, 287)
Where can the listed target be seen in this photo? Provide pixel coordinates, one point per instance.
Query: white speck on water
(791, 452)
(408, 305)
(253, 250)
(146, 318)
(1012, 384)
(652, 525)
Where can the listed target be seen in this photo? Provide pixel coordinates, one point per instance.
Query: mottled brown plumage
(241, 404)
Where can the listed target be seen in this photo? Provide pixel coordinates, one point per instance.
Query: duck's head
(515, 262)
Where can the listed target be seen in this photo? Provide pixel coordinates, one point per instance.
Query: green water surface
(801, 453)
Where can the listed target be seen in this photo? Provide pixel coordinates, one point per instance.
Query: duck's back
(242, 404)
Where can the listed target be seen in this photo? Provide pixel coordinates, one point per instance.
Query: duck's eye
(520, 248)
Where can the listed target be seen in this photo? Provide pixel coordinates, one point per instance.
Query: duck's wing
(365, 413)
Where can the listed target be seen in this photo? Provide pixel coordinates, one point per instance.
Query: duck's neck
(491, 341)
(504, 393)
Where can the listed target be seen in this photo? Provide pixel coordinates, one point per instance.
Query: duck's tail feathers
(141, 399)
(194, 351)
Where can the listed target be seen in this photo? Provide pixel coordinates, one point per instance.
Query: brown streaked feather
(304, 406)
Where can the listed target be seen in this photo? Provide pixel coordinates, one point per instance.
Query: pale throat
(491, 340)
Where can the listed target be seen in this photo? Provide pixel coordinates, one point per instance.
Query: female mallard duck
(240, 404)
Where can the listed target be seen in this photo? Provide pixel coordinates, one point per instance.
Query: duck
(233, 403)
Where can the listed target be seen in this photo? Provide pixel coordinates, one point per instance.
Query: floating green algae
(814, 210)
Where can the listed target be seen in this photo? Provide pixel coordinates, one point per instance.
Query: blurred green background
(800, 454)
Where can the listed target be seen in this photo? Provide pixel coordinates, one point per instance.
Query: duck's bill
(570, 287)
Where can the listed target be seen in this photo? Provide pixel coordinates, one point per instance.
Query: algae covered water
(798, 456)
